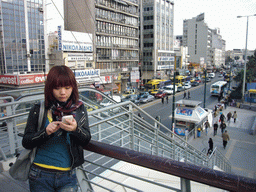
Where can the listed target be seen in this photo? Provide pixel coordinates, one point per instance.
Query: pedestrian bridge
(121, 139)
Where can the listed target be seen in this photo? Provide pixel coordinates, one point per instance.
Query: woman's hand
(71, 125)
(52, 127)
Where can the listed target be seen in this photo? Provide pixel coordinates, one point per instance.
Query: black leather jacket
(79, 138)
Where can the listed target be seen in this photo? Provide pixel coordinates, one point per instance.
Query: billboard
(22, 79)
(74, 41)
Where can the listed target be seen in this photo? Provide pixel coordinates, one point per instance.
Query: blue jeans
(45, 181)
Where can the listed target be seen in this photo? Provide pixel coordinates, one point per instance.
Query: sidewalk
(240, 150)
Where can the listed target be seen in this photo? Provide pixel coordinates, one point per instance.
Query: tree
(250, 76)
(236, 58)
(250, 70)
(229, 60)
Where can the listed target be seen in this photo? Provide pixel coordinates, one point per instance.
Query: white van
(169, 89)
(106, 102)
(211, 75)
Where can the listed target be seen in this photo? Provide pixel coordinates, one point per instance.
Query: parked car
(160, 94)
(187, 85)
(194, 84)
(180, 88)
(211, 75)
(192, 79)
(141, 94)
(146, 98)
(198, 79)
(128, 92)
(207, 79)
(131, 98)
(154, 91)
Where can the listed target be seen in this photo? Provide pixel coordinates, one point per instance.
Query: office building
(157, 38)
(116, 39)
(205, 46)
(22, 37)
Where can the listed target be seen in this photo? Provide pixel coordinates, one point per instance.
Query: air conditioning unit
(41, 9)
(28, 55)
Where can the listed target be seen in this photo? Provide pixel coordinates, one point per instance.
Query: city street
(156, 108)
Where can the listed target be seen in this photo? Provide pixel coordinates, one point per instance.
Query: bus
(218, 87)
(153, 84)
(180, 79)
(165, 83)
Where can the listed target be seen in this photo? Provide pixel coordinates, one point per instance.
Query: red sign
(31, 79)
(9, 79)
(22, 79)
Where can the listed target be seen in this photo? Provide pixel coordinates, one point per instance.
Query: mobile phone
(70, 117)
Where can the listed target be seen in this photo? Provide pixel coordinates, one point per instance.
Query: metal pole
(173, 98)
(245, 55)
(204, 86)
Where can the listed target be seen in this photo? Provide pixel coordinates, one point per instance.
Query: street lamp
(245, 52)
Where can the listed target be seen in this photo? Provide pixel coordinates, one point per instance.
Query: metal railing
(116, 125)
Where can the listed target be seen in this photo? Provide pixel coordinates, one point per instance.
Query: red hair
(60, 76)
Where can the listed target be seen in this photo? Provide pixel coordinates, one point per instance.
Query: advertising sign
(31, 79)
(74, 41)
(165, 58)
(184, 111)
(9, 79)
(22, 79)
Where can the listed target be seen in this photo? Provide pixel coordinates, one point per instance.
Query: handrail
(188, 171)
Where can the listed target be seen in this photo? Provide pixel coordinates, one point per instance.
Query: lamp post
(245, 53)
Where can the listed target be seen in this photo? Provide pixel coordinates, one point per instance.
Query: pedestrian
(219, 98)
(163, 100)
(229, 115)
(225, 138)
(188, 95)
(225, 103)
(223, 126)
(184, 97)
(59, 145)
(215, 128)
(235, 116)
(210, 142)
(222, 117)
(167, 98)
(139, 115)
(207, 125)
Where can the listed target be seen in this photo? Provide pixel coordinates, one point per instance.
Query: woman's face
(62, 94)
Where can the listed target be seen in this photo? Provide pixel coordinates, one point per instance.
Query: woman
(235, 116)
(210, 146)
(59, 145)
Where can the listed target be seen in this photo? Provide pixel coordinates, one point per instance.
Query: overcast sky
(220, 14)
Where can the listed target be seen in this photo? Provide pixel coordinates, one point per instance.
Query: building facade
(205, 46)
(157, 38)
(117, 41)
(198, 38)
(22, 39)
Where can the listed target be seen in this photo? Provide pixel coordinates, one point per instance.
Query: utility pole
(173, 98)
(205, 72)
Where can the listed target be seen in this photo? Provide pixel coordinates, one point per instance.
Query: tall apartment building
(205, 45)
(22, 37)
(218, 48)
(116, 37)
(157, 38)
(197, 36)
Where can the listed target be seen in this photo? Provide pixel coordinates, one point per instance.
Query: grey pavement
(240, 150)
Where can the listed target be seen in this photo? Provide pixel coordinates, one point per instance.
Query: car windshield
(144, 96)
(160, 92)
